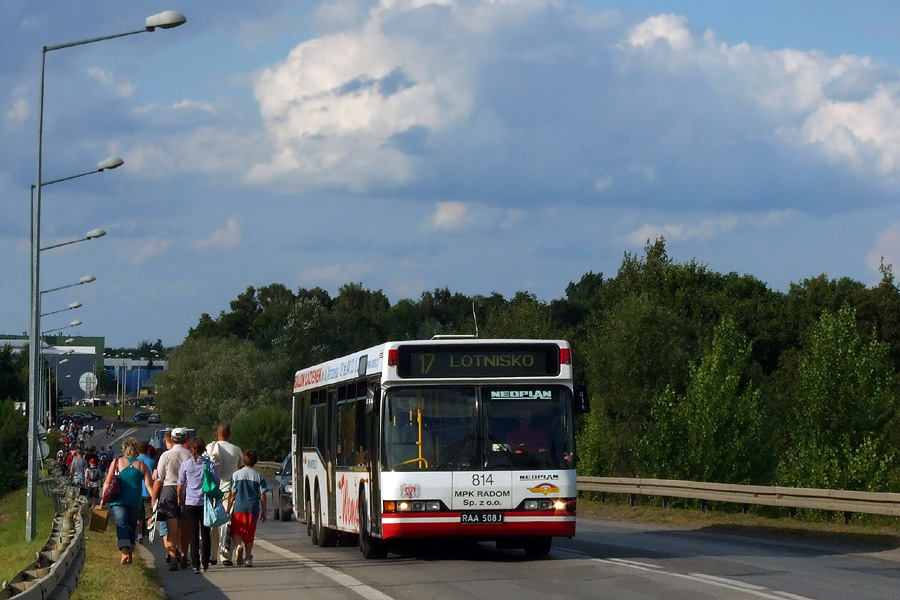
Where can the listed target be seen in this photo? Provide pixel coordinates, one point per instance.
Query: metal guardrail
(844, 501)
(54, 573)
(268, 464)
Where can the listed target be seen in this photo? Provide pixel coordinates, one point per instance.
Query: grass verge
(864, 532)
(103, 578)
(15, 552)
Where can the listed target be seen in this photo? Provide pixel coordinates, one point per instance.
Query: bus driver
(526, 439)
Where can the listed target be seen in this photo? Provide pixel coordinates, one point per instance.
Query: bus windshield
(448, 429)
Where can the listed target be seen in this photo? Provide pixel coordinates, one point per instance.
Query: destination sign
(478, 360)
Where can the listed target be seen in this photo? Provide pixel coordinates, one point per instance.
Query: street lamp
(163, 20)
(72, 306)
(75, 323)
(90, 235)
(82, 281)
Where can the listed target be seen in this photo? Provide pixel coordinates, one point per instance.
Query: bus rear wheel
(370, 547)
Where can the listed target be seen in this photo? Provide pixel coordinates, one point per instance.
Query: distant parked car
(140, 416)
(154, 418)
(282, 499)
(94, 416)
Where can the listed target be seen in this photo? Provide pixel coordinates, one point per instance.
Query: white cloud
(186, 104)
(706, 228)
(860, 132)
(142, 250)
(450, 215)
(670, 28)
(522, 98)
(108, 79)
(204, 149)
(223, 239)
(603, 183)
(19, 112)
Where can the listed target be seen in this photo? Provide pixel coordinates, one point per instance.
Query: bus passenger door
(373, 460)
(329, 458)
(299, 408)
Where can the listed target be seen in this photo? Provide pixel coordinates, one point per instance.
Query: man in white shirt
(227, 459)
(166, 489)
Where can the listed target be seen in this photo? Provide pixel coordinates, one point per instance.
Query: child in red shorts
(248, 501)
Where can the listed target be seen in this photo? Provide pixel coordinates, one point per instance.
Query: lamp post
(163, 20)
(74, 323)
(82, 281)
(72, 306)
(90, 235)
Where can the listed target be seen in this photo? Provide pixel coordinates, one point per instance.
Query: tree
(715, 430)
(361, 317)
(632, 355)
(210, 380)
(13, 446)
(13, 374)
(843, 431)
(524, 317)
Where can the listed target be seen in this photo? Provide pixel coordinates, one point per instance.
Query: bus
(448, 438)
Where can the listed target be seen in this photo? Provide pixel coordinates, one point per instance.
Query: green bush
(13, 447)
(266, 429)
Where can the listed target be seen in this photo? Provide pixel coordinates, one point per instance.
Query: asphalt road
(605, 560)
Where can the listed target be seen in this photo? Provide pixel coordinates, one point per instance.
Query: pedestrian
(191, 498)
(126, 506)
(166, 489)
(93, 476)
(248, 499)
(227, 458)
(146, 505)
(76, 469)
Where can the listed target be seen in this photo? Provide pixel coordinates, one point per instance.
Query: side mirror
(582, 403)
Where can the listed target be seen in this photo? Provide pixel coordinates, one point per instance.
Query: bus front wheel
(325, 536)
(312, 528)
(370, 547)
(538, 547)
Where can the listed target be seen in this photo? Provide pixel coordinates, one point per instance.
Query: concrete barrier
(54, 573)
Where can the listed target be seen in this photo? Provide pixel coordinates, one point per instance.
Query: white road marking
(343, 579)
(720, 582)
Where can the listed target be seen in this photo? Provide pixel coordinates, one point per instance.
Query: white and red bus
(438, 439)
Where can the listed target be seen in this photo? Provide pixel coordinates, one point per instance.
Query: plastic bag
(214, 514)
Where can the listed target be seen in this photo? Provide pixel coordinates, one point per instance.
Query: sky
(408, 145)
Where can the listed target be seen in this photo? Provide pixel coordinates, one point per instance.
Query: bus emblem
(410, 490)
(544, 488)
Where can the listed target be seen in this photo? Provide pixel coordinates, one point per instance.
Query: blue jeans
(126, 519)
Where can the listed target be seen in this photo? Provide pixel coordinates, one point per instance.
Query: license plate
(481, 518)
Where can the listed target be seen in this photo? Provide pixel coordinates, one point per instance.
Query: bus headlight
(531, 505)
(412, 505)
(559, 505)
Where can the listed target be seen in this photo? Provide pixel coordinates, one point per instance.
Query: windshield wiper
(465, 442)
